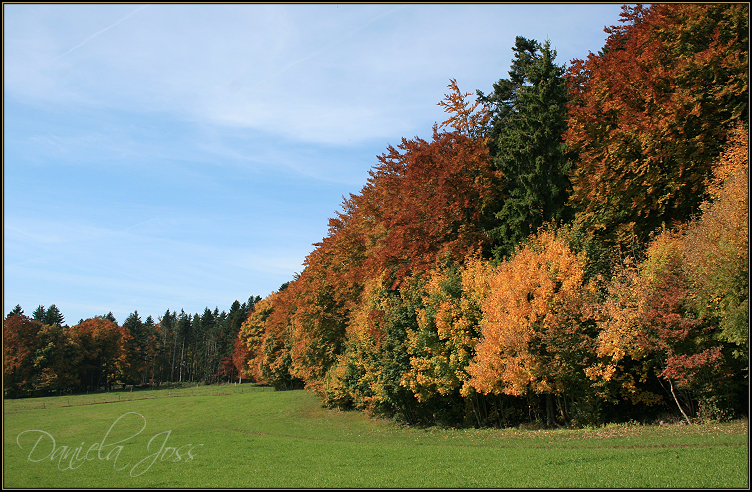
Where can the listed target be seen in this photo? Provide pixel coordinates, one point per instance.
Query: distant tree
(53, 316)
(167, 346)
(183, 331)
(16, 310)
(98, 341)
(20, 343)
(56, 361)
(139, 345)
(39, 314)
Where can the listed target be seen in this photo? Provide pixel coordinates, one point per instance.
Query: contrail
(327, 47)
(101, 31)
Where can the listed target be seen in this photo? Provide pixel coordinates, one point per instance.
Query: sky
(163, 156)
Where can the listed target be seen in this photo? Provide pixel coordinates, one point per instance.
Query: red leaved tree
(651, 111)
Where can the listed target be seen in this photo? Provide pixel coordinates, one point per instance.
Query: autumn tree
(20, 342)
(100, 344)
(442, 343)
(368, 374)
(538, 328)
(317, 331)
(232, 351)
(424, 201)
(56, 360)
(649, 334)
(250, 338)
(466, 118)
(717, 247)
(650, 112)
(234, 365)
(266, 334)
(430, 199)
(624, 369)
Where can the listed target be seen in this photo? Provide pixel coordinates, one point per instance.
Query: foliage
(528, 121)
(20, 342)
(717, 247)
(266, 334)
(98, 353)
(443, 343)
(650, 112)
(648, 331)
(375, 358)
(556, 253)
(430, 200)
(537, 327)
(466, 119)
(49, 316)
(102, 345)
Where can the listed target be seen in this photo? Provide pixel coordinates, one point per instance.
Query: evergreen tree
(16, 310)
(53, 316)
(168, 345)
(39, 314)
(139, 346)
(528, 118)
(183, 334)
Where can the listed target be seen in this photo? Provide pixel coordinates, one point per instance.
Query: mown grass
(265, 439)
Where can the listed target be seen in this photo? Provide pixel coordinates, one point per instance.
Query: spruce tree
(39, 314)
(16, 310)
(528, 118)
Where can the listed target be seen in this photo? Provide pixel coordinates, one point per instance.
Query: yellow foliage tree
(717, 246)
(538, 326)
(442, 344)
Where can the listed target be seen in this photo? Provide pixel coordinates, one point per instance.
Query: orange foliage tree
(425, 201)
(538, 327)
(430, 200)
(101, 344)
(266, 334)
(20, 343)
(648, 333)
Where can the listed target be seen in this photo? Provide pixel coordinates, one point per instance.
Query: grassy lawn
(253, 437)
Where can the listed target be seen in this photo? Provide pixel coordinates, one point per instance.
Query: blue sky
(184, 156)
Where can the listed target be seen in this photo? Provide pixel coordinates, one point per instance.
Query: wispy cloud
(339, 40)
(191, 156)
(102, 30)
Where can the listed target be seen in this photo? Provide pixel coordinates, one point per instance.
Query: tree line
(42, 355)
(569, 248)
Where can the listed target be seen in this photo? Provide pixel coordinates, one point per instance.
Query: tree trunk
(671, 385)
(549, 410)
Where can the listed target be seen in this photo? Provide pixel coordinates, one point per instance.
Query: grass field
(252, 437)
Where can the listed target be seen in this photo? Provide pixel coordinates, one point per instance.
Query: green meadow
(251, 437)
